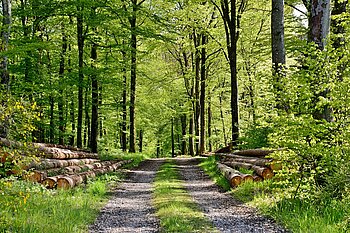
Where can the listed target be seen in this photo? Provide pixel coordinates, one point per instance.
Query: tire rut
(130, 208)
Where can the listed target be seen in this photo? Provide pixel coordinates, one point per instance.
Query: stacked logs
(59, 166)
(254, 160)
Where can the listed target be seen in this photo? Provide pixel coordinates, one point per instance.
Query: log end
(235, 181)
(49, 182)
(65, 183)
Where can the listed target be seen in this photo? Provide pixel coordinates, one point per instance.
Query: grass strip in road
(175, 208)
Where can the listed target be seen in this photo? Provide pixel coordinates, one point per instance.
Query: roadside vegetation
(175, 208)
(29, 207)
(298, 212)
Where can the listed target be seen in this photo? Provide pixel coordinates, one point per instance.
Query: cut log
(72, 148)
(233, 176)
(254, 152)
(273, 165)
(247, 177)
(41, 150)
(66, 182)
(40, 175)
(56, 163)
(264, 172)
(50, 182)
(226, 149)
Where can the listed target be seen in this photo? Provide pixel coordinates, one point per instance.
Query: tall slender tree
(4, 74)
(278, 50)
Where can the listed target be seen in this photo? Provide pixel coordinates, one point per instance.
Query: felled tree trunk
(264, 172)
(66, 182)
(45, 164)
(233, 176)
(254, 152)
(40, 175)
(273, 165)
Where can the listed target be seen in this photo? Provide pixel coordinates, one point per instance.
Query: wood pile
(255, 160)
(59, 166)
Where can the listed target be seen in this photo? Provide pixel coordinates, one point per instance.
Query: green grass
(324, 215)
(209, 166)
(28, 207)
(175, 208)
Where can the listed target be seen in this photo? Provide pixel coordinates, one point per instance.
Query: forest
(184, 77)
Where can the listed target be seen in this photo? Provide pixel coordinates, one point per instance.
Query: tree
(231, 18)
(278, 50)
(4, 74)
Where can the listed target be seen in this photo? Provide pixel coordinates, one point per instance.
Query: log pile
(255, 160)
(59, 166)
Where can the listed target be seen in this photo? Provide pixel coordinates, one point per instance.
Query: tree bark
(197, 67)
(184, 127)
(81, 74)
(133, 43)
(209, 123)
(61, 121)
(203, 95)
(172, 138)
(278, 51)
(264, 172)
(124, 103)
(140, 140)
(233, 176)
(5, 33)
(319, 22)
(95, 101)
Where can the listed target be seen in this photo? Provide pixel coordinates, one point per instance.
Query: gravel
(130, 208)
(226, 213)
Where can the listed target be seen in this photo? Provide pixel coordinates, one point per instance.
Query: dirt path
(130, 209)
(226, 213)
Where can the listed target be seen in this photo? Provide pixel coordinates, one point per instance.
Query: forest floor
(130, 208)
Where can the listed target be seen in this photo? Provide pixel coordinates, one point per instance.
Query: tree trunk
(5, 32)
(183, 127)
(81, 75)
(262, 162)
(278, 51)
(52, 126)
(61, 121)
(87, 125)
(172, 138)
(233, 176)
(140, 140)
(133, 43)
(319, 22)
(95, 101)
(277, 34)
(209, 123)
(264, 172)
(197, 67)
(124, 103)
(190, 132)
(72, 118)
(203, 96)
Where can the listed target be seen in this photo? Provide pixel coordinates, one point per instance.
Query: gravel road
(226, 213)
(130, 208)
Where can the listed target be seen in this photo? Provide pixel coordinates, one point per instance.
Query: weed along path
(130, 208)
(226, 213)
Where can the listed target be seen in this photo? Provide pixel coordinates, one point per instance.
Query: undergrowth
(175, 208)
